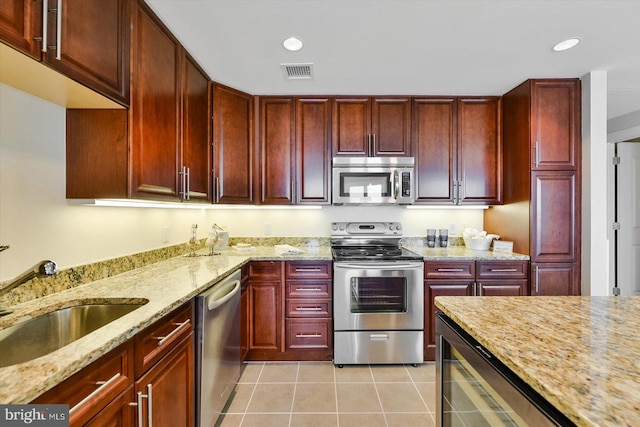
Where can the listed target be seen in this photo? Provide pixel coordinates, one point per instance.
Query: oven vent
(297, 71)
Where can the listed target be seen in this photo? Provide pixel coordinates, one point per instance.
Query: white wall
(39, 223)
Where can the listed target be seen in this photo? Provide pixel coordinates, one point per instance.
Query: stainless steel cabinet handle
(537, 154)
(373, 145)
(45, 26)
(316, 335)
(536, 278)
(378, 337)
(188, 179)
(308, 289)
(162, 340)
(503, 270)
(450, 270)
(150, 405)
(59, 32)
(103, 385)
(308, 270)
(308, 308)
(217, 189)
(139, 405)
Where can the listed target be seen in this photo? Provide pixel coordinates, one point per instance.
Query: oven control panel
(366, 229)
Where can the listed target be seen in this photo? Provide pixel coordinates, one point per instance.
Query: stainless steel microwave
(373, 180)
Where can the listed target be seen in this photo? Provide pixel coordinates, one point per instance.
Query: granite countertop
(579, 353)
(166, 285)
(461, 253)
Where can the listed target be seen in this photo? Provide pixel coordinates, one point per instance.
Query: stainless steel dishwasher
(217, 348)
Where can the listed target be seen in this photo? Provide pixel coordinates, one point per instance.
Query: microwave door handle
(396, 184)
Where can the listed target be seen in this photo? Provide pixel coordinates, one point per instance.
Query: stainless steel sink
(41, 335)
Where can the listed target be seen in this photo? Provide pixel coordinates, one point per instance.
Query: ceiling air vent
(297, 71)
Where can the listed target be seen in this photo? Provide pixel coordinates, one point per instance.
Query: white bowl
(478, 244)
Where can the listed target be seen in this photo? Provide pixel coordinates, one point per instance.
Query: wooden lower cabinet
(551, 279)
(167, 389)
(468, 278)
(289, 311)
(137, 384)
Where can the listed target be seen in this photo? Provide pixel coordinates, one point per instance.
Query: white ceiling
(410, 47)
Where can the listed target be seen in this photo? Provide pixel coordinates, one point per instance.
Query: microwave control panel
(406, 184)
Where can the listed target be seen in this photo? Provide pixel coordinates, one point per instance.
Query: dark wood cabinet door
(233, 152)
(555, 279)
(154, 119)
(119, 413)
(555, 124)
(265, 316)
(277, 150)
(479, 151)
(351, 126)
(391, 127)
(313, 151)
(171, 385)
(433, 144)
(94, 44)
(196, 128)
(434, 288)
(506, 288)
(555, 223)
(20, 24)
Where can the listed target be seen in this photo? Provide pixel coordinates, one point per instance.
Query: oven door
(382, 295)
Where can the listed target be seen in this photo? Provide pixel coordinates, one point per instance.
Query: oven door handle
(380, 265)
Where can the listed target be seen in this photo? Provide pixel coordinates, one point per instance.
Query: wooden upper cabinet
(276, 150)
(434, 139)
(555, 124)
(365, 126)
(21, 24)
(479, 150)
(233, 153)
(313, 151)
(555, 226)
(196, 133)
(154, 113)
(91, 46)
(457, 144)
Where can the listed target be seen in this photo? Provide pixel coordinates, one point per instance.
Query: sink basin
(41, 335)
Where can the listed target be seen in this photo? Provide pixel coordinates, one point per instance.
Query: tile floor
(318, 394)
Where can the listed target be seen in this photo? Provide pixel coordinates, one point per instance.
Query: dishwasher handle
(223, 293)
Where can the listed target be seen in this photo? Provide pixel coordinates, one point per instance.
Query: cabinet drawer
(449, 270)
(265, 270)
(308, 289)
(308, 269)
(155, 341)
(502, 269)
(90, 390)
(308, 334)
(308, 308)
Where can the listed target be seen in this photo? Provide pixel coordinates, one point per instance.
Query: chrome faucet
(42, 269)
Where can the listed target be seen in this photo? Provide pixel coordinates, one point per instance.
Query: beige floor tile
(229, 420)
(266, 420)
(240, 398)
(362, 420)
(400, 397)
(425, 373)
(390, 373)
(315, 397)
(279, 373)
(314, 420)
(428, 393)
(316, 372)
(408, 420)
(251, 372)
(271, 398)
(353, 374)
(357, 397)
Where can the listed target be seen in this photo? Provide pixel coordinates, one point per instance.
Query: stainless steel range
(378, 295)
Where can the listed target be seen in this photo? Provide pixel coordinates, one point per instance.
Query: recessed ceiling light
(293, 44)
(566, 44)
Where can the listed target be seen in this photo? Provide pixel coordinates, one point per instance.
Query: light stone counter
(461, 253)
(580, 353)
(166, 285)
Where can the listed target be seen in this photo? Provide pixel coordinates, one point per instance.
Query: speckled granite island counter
(579, 353)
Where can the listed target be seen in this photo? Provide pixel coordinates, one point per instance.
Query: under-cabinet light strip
(125, 203)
